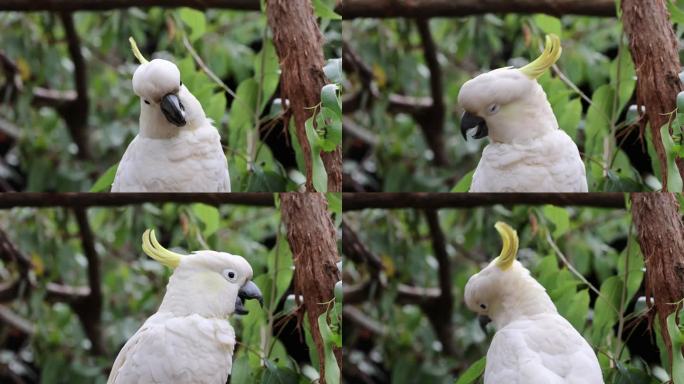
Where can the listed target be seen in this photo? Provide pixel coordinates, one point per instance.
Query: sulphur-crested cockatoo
(177, 149)
(189, 339)
(533, 344)
(527, 150)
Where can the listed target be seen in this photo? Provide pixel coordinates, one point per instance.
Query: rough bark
(661, 237)
(654, 49)
(103, 5)
(351, 9)
(311, 236)
(299, 44)
(357, 201)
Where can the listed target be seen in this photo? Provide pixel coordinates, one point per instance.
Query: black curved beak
(470, 121)
(247, 292)
(173, 110)
(483, 321)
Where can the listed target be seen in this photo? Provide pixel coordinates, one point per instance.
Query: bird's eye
(230, 275)
(181, 83)
(492, 109)
(146, 102)
(483, 306)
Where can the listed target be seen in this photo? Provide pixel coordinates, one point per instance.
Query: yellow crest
(510, 245)
(551, 54)
(136, 51)
(153, 249)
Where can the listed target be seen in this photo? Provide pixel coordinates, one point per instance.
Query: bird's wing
(191, 162)
(549, 164)
(175, 350)
(543, 350)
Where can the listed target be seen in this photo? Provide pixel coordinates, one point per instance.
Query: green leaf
(570, 116)
(676, 14)
(548, 24)
(324, 11)
(605, 309)
(677, 359)
(267, 72)
(330, 339)
(216, 107)
(578, 309)
(626, 78)
(463, 185)
(559, 217)
(333, 70)
(674, 179)
(330, 99)
(278, 375)
(209, 216)
(331, 124)
(473, 372)
(635, 269)
(320, 177)
(195, 20)
(106, 180)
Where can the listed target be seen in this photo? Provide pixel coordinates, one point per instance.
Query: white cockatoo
(527, 150)
(533, 344)
(189, 339)
(177, 149)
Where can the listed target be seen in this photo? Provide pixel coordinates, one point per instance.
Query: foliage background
(599, 243)
(602, 125)
(236, 46)
(133, 285)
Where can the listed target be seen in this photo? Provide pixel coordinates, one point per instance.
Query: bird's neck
(523, 297)
(154, 125)
(202, 293)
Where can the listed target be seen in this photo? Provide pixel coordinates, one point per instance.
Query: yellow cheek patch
(510, 245)
(551, 54)
(210, 280)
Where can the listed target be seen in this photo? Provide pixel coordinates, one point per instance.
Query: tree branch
(655, 51)
(75, 200)
(89, 308)
(358, 201)
(659, 227)
(75, 113)
(431, 119)
(351, 9)
(311, 235)
(103, 5)
(439, 310)
(299, 44)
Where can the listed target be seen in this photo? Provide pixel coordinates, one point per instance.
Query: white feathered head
(504, 289)
(208, 283)
(507, 104)
(166, 104)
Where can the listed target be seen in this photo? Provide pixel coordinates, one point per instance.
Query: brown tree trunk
(311, 235)
(661, 237)
(299, 44)
(653, 45)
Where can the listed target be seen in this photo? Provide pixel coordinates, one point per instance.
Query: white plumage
(527, 151)
(189, 339)
(177, 149)
(176, 349)
(533, 344)
(550, 163)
